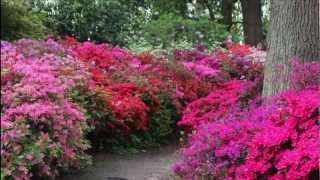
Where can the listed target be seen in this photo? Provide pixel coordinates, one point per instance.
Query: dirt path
(154, 164)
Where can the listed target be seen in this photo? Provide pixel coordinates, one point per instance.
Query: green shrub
(162, 119)
(98, 116)
(161, 125)
(19, 21)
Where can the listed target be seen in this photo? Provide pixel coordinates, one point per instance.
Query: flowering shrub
(124, 78)
(215, 147)
(161, 119)
(122, 99)
(55, 92)
(94, 54)
(273, 140)
(287, 146)
(129, 109)
(41, 130)
(237, 61)
(305, 75)
(215, 105)
(99, 115)
(237, 77)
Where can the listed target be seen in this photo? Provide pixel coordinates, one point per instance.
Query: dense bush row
(58, 98)
(57, 95)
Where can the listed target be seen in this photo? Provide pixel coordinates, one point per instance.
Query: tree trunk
(226, 10)
(293, 33)
(210, 9)
(252, 23)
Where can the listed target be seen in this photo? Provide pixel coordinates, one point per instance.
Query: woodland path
(154, 164)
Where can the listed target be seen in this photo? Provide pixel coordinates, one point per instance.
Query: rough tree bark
(252, 23)
(293, 33)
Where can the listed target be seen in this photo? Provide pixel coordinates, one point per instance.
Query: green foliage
(161, 120)
(170, 30)
(19, 21)
(178, 7)
(161, 125)
(100, 21)
(97, 113)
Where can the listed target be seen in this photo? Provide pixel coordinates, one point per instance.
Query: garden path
(154, 164)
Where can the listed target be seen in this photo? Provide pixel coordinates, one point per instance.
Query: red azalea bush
(41, 129)
(216, 104)
(304, 75)
(121, 98)
(124, 78)
(237, 78)
(97, 55)
(128, 108)
(118, 110)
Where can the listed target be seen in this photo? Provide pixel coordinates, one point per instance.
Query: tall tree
(226, 11)
(252, 21)
(293, 32)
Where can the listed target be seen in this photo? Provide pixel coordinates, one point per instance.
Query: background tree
(294, 32)
(251, 13)
(226, 11)
(118, 21)
(171, 29)
(19, 21)
(99, 20)
(252, 21)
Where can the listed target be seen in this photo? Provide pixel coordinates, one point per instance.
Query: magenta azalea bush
(287, 146)
(41, 129)
(274, 138)
(278, 140)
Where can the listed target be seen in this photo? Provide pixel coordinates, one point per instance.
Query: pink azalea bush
(237, 60)
(41, 129)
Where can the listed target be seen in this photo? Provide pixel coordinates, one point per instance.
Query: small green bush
(98, 116)
(162, 120)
